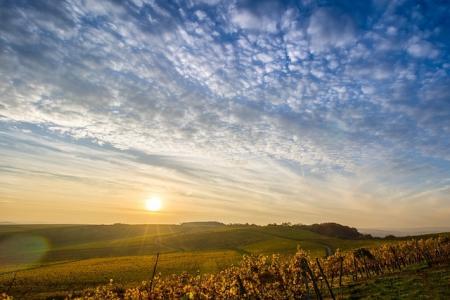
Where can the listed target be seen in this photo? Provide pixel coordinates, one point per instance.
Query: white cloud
(422, 49)
(248, 20)
(264, 58)
(201, 15)
(329, 28)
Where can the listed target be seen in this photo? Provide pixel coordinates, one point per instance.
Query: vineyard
(274, 277)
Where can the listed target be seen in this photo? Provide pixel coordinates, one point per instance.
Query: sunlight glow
(153, 204)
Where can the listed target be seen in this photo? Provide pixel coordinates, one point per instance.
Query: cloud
(330, 28)
(260, 16)
(422, 49)
(317, 96)
(247, 20)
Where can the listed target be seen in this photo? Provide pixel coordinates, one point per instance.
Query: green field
(419, 282)
(52, 259)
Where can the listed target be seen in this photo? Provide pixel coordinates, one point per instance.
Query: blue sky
(239, 111)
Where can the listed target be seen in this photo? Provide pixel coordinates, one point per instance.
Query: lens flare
(23, 250)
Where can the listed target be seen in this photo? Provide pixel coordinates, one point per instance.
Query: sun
(153, 204)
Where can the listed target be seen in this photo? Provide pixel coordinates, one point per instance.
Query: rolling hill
(52, 258)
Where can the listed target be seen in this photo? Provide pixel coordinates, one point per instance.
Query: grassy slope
(419, 282)
(82, 255)
(82, 242)
(59, 278)
(76, 242)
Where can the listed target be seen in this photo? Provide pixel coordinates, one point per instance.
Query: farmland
(50, 259)
(41, 261)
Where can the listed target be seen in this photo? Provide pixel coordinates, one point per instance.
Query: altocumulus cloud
(317, 108)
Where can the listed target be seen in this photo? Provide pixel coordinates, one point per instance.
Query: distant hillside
(336, 230)
(403, 232)
(207, 223)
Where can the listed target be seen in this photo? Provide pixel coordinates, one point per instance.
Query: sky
(235, 111)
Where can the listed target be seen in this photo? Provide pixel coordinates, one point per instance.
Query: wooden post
(341, 260)
(305, 279)
(366, 267)
(325, 278)
(241, 286)
(396, 260)
(154, 272)
(304, 264)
